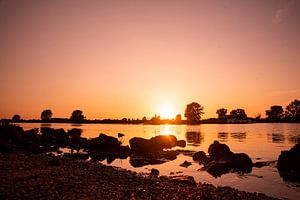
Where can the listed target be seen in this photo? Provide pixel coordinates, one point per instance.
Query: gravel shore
(30, 176)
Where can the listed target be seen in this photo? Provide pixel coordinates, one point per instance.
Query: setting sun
(167, 111)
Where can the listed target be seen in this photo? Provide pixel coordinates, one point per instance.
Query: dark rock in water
(154, 172)
(181, 143)
(56, 137)
(158, 143)
(221, 160)
(217, 168)
(238, 162)
(77, 143)
(80, 156)
(103, 143)
(288, 164)
(120, 135)
(185, 164)
(218, 150)
(241, 161)
(75, 132)
(140, 145)
(13, 138)
(200, 156)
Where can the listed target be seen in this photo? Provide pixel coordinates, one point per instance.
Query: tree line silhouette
(193, 114)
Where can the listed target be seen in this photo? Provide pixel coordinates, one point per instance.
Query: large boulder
(222, 160)
(288, 164)
(217, 151)
(57, 137)
(103, 143)
(181, 143)
(155, 144)
(241, 162)
(13, 137)
(201, 157)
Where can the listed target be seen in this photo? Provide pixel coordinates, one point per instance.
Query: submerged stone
(289, 164)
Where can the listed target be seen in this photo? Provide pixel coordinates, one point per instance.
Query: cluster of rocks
(221, 160)
(153, 151)
(14, 138)
(142, 151)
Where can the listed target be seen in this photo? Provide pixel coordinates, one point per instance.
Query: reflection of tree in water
(293, 139)
(223, 136)
(276, 137)
(194, 138)
(239, 136)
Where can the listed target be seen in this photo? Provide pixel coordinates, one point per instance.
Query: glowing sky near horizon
(115, 59)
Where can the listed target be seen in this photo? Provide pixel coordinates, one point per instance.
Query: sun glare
(167, 111)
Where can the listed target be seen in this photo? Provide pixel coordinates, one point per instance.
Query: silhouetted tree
(193, 113)
(77, 116)
(178, 118)
(124, 120)
(222, 113)
(275, 113)
(293, 110)
(258, 117)
(46, 115)
(238, 114)
(16, 118)
(144, 119)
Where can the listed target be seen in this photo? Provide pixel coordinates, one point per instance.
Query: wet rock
(154, 172)
(200, 156)
(221, 160)
(185, 164)
(217, 168)
(75, 132)
(217, 151)
(241, 161)
(181, 143)
(56, 137)
(103, 143)
(120, 135)
(289, 164)
(158, 143)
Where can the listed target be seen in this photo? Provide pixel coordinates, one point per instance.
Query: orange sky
(115, 59)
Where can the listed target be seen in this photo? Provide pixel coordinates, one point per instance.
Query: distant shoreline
(142, 123)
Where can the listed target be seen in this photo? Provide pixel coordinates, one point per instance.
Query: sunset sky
(115, 59)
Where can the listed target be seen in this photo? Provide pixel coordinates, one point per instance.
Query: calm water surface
(262, 142)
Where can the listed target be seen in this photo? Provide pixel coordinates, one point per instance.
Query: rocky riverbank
(42, 176)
